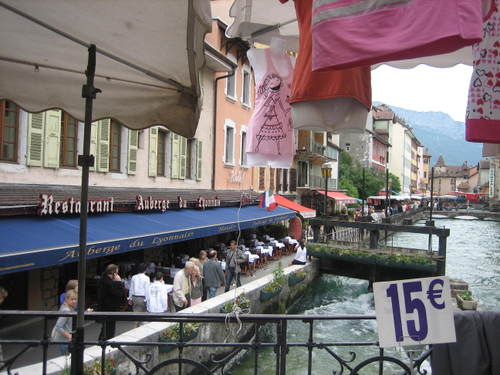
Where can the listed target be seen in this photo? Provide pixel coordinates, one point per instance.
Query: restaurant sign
(48, 206)
(151, 204)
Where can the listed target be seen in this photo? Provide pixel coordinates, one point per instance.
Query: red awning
(338, 196)
(306, 212)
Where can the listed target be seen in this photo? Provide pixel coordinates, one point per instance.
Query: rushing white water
(473, 255)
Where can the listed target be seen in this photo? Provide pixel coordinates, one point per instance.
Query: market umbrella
(145, 58)
(148, 58)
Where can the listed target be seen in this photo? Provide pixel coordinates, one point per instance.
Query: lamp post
(326, 172)
(386, 191)
(363, 197)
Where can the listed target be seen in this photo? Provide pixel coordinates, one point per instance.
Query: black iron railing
(182, 363)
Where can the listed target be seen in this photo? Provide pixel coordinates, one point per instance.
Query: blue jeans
(64, 349)
(211, 291)
(230, 274)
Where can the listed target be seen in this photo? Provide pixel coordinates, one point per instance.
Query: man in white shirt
(301, 254)
(157, 295)
(182, 286)
(139, 285)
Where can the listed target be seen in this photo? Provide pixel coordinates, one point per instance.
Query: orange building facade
(233, 110)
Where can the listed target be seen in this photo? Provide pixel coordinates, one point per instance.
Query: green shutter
(199, 163)
(182, 157)
(94, 132)
(36, 122)
(153, 151)
(133, 138)
(103, 158)
(174, 165)
(52, 149)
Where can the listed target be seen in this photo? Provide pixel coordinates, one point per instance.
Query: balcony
(316, 182)
(332, 152)
(316, 152)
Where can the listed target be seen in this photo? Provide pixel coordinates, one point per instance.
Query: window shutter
(133, 138)
(182, 157)
(262, 176)
(271, 179)
(36, 127)
(52, 138)
(278, 180)
(94, 132)
(199, 163)
(174, 172)
(153, 151)
(293, 179)
(285, 179)
(103, 159)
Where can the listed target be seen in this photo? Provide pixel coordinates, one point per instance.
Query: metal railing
(183, 363)
(318, 182)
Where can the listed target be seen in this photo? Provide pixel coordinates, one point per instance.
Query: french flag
(267, 200)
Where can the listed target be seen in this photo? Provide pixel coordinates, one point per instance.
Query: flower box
(241, 302)
(296, 278)
(466, 301)
(266, 295)
(172, 335)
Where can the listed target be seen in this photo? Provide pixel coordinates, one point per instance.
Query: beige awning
(158, 45)
(259, 20)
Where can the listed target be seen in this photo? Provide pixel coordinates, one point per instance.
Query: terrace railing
(181, 363)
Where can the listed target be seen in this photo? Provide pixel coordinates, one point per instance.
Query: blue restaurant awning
(36, 242)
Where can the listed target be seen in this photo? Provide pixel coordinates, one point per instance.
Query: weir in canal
(368, 257)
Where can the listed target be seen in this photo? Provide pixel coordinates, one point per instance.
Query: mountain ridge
(441, 135)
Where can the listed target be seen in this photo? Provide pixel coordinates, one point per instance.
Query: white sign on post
(414, 311)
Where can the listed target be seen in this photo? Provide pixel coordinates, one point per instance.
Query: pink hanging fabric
(482, 122)
(350, 33)
(270, 133)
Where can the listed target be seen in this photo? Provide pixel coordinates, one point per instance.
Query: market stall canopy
(148, 58)
(305, 212)
(260, 20)
(338, 196)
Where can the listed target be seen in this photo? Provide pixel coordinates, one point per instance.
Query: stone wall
(213, 332)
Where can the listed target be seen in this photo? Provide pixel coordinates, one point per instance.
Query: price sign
(415, 311)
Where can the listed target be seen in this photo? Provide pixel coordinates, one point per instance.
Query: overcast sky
(424, 88)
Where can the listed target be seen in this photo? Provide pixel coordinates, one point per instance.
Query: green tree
(395, 184)
(352, 180)
(346, 184)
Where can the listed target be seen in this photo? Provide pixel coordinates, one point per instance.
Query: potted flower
(296, 277)
(465, 300)
(95, 367)
(241, 302)
(274, 288)
(172, 334)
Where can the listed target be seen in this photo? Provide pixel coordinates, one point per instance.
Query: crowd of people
(147, 292)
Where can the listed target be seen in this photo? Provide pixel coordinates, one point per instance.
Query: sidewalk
(34, 329)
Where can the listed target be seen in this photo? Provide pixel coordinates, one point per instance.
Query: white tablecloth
(251, 257)
(265, 250)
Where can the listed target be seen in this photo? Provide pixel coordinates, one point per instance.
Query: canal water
(473, 255)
